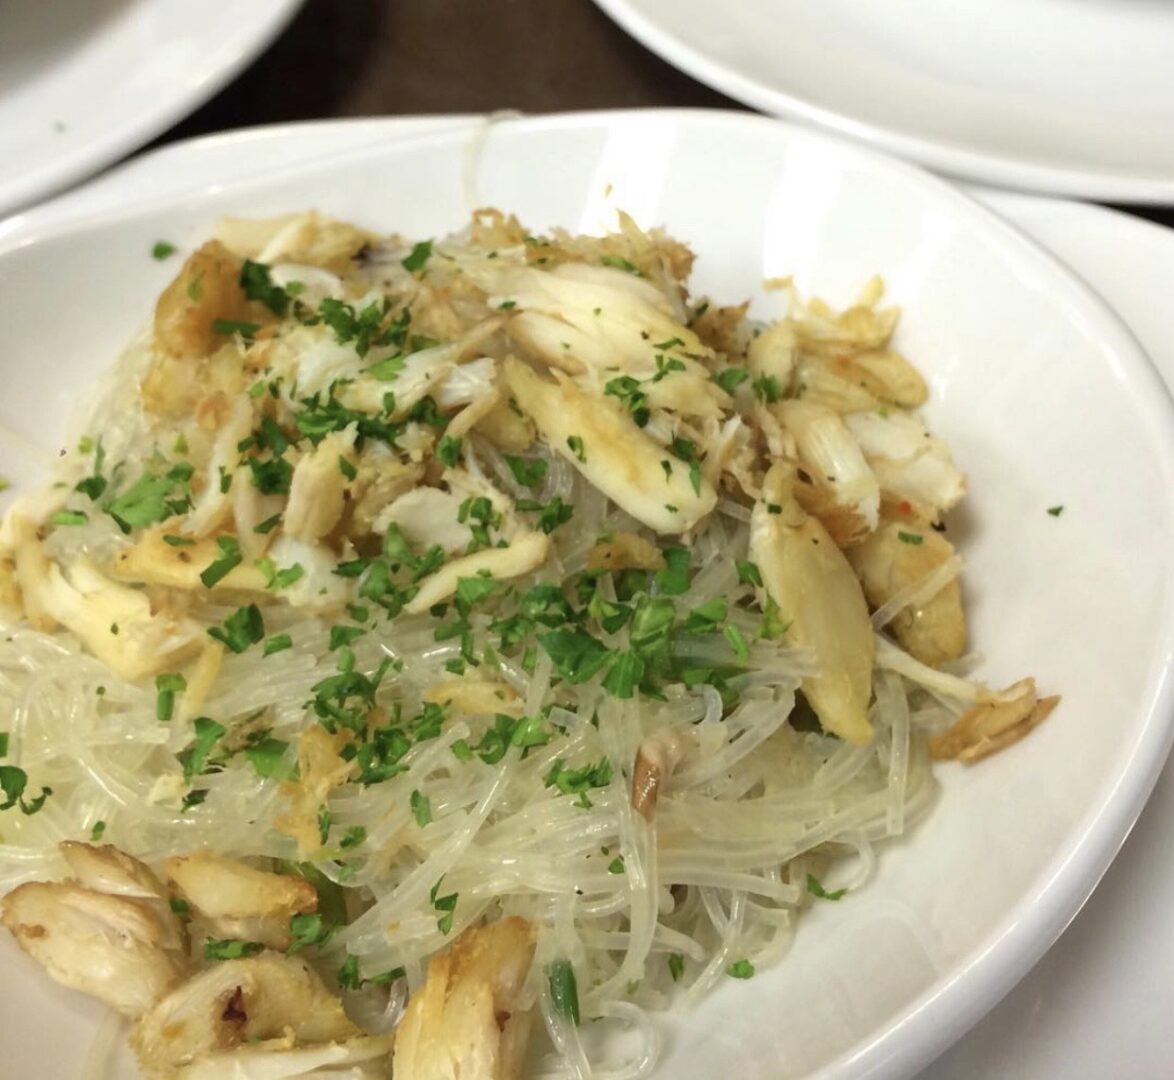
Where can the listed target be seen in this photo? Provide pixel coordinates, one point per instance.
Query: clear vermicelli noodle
(489, 586)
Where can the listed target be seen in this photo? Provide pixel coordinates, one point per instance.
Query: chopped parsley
(575, 443)
(817, 890)
(350, 979)
(97, 832)
(247, 330)
(579, 781)
(748, 572)
(420, 255)
(619, 263)
(230, 558)
(624, 675)
(1055, 511)
(149, 499)
(768, 389)
(244, 627)
(738, 643)
(446, 905)
(309, 930)
(166, 687)
(267, 757)
(161, 250)
(564, 990)
(13, 782)
(421, 808)
(277, 643)
(577, 655)
(740, 969)
(68, 518)
(627, 389)
(731, 378)
(910, 538)
(195, 759)
(676, 966)
(228, 949)
(673, 580)
(550, 515)
(527, 472)
(448, 450)
(258, 285)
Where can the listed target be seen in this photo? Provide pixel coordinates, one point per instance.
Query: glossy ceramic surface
(83, 82)
(1072, 97)
(960, 910)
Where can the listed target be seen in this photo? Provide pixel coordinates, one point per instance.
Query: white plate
(877, 986)
(83, 82)
(1100, 1000)
(1073, 97)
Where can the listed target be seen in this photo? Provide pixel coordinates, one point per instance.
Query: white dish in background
(83, 82)
(1070, 97)
(876, 986)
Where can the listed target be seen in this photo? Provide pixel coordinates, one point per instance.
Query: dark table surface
(341, 58)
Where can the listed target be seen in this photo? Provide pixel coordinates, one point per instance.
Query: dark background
(342, 58)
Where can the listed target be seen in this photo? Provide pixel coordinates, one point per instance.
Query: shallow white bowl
(1043, 395)
(83, 82)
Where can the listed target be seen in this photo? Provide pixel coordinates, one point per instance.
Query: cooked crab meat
(526, 552)
(427, 516)
(885, 374)
(894, 559)
(239, 900)
(823, 386)
(808, 576)
(113, 621)
(419, 375)
(625, 551)
(576, 315)
(508, 430)
(990, 726)
(105, 869)
(118, 949)
(236, 1002)
(206, 289)
(321, 768)
(361, 1058)
(382, 478)
(200, 680)
(772, 355)
(859, 328)
(309, 238)
(909, 462)
(603, 442)
(441, 371)
(213, 508)
(318, 489)
(476, 697)
(469, 1021)
(318, 588)
(150, 560)
(829, 453)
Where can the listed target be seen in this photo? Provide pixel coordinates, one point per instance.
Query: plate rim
(1002, 170)
(929, 1023)
(153, 119)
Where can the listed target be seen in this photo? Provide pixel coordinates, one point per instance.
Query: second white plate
(83, 82)
(1070, 97)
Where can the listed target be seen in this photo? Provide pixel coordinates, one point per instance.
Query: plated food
(485, 622)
